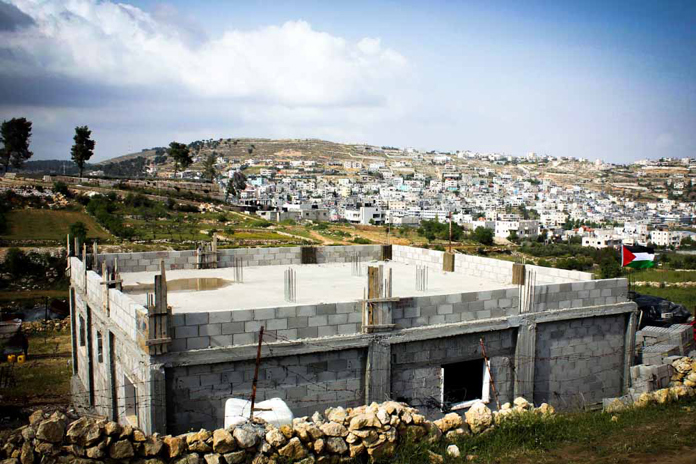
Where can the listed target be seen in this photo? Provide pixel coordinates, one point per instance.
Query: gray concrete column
(524, 361)
(156, 420)
(378, 371)
(630, 349)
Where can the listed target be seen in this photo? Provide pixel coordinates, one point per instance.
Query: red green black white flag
(637, 257)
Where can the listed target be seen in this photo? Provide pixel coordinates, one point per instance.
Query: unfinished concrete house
(162, 339)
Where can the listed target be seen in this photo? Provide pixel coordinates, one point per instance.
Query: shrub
(79, 230)
(361, 241)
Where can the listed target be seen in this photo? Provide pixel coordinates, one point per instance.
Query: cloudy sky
(613, 80)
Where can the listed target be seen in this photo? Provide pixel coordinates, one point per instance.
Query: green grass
(45, 379)
(46, 224)
(664, 275)
(573, 438)
(684, 296)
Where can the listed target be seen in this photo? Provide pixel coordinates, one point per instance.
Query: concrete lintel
(450, 330)
(247, 352)
(587, 311)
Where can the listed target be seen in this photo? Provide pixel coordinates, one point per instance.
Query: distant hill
(238, 148)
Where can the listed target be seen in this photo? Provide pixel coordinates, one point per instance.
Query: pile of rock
(339, 435)
(53, 325)
(682, 385)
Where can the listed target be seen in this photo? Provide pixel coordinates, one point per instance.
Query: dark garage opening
(463, 381)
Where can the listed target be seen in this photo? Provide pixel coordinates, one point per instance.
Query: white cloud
(119, 45)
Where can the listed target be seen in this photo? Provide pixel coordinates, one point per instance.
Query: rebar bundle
(290, 285)
(421, 278)
(238, 270)
(356, 265)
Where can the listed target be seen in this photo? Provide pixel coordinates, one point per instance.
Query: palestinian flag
(637, 257)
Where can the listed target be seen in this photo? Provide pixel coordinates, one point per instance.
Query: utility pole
(450, 232)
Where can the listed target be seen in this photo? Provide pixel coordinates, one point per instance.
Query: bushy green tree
(14, 136)
(483, 235)
(181, 155)
(83, 148)
(79, 231)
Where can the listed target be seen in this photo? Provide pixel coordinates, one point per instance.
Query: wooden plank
(448, 262)
(518, 274)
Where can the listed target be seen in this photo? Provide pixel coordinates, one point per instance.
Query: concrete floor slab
(316, 283)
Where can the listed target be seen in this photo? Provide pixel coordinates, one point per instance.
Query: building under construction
(162, 339)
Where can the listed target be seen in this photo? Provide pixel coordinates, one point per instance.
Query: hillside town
(525, 197)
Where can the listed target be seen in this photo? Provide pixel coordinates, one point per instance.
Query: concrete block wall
(493, 269)
(416, 370)
(496, 270)
(580, 294)
(579, 361)
(126, 314)
(194, 331)
(196, 395)
(458, 307)
(550, 275)
(150, 261)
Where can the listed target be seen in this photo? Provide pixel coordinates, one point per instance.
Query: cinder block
(197, 343)
(262, 314)
(243, 339)
(196, 318)
(327, 330)
(186, 331)
(210, 329)
(232, 328)
(221, 340)
(219, 317)
(317, 321)
(242, 315)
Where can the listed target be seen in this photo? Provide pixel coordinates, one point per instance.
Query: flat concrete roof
(263, 286)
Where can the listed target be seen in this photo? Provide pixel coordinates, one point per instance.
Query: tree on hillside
(79, 230)
(14, 136)
(83, 149)
(483, 235)
(209, 170)
(235, 185)
(181, 155)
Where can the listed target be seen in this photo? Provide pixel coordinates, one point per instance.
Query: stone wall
(196, 395)
(577, 362)
(338, 435)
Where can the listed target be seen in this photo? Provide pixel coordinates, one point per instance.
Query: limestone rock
(383, 451)
(122, 449)
(293, 450)
(223, 441)
(201, 435)
(152, 446)
(546, 409)
(336, 445)
(615, 406)
(643, 400)
(307, 431)
(245, 435)
(356, 450)
(332, 429)
(435, 458)
(176, 446)
(479, 417)
(661, 396)
(287, 431)
(337, 415)
(235, 457)
(449, 422)
(112, 428)
(36, 417)
(364, 420)
(275, 438)
(522, 403)
(453, 450)
(319, 446)
(51, 430)
(456, 434)
(212, 459)
(138, 435)
(27, 454)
